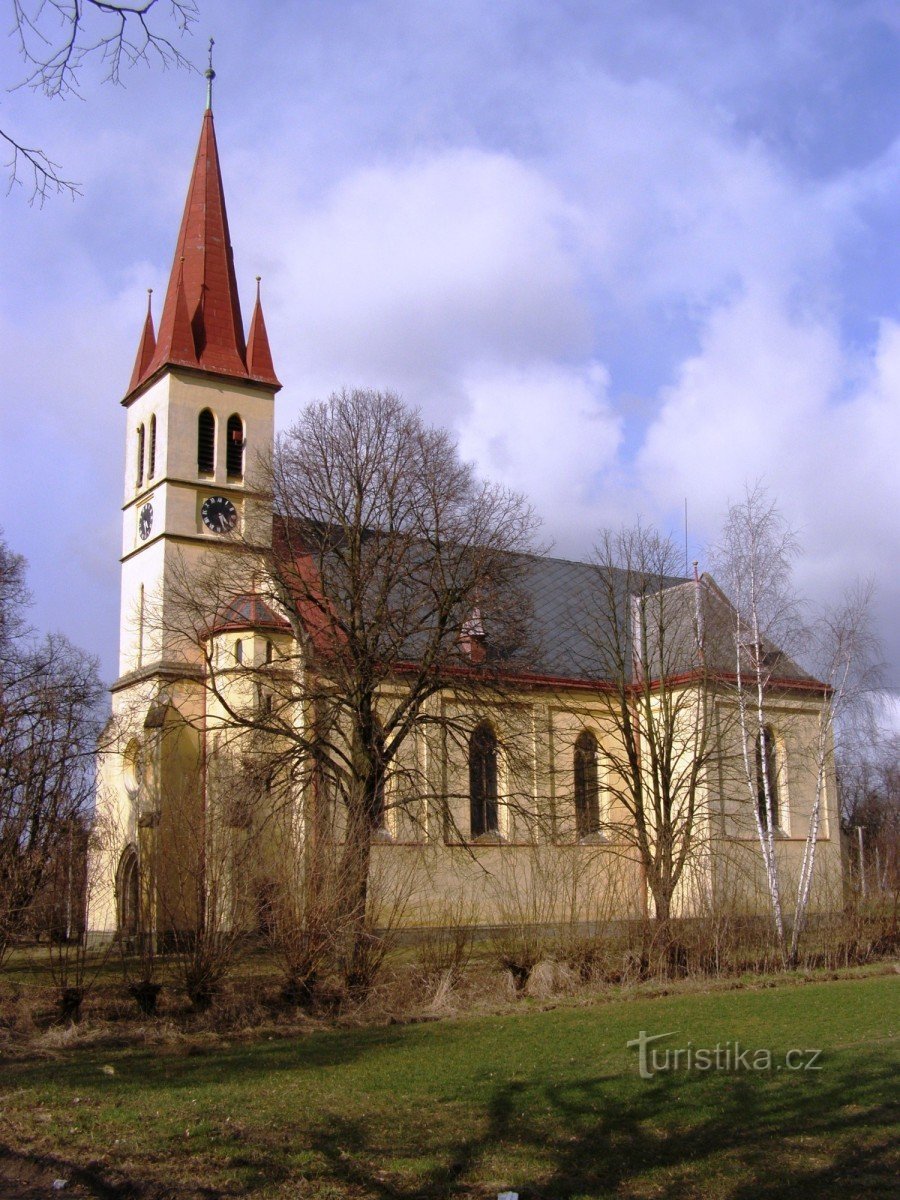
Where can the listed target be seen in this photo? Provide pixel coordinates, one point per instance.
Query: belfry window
(587, 788)
(151, 460)
(140, 456)
(483, 781)
(234, 455)
(767, 778)
(206, 443)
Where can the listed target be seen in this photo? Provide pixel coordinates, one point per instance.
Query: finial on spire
(258, 279)
(149, 301)
(210, 75)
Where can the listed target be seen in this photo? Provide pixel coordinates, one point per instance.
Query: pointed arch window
(767, 778)
(587, 786)
(128, 892)
(140, 455)
(239, 651)
(234, 454)
(483, 796)
(379, 809)
(206, 443)
(151, 459)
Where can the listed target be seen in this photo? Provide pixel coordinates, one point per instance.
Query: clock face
(145, 521)
(218, 514)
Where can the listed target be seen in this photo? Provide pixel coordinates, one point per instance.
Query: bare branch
(57, 39)
(42, 173)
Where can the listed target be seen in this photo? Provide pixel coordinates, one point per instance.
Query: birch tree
(753, 561)
(771, 633)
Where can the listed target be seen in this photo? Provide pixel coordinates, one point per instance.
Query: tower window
(140, 455)
(151, 461)
(206, 443)
(239, 651)
(235, 449)
(483, 781)
(587, 790)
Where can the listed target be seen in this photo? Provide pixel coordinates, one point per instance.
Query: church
(520, 815)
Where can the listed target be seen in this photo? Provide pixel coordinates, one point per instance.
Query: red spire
(201, 323)
(146, 348)
(176, 340)
(259, 356)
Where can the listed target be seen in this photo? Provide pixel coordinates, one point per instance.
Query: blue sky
(631, 253)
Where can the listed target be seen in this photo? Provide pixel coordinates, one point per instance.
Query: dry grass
(451, 970)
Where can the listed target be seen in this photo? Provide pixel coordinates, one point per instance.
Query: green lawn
(549, 1104)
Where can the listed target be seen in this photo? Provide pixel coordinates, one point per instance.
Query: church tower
(199, 413)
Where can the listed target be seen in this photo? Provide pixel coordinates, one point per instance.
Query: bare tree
(58, 39)
(392, 577)
(755, 559)
(868, 774)
(846, 659)
(208, 907)
(50, 698)
(641, 624)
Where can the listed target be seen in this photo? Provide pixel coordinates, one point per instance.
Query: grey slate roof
(568, 617)
(570, 623)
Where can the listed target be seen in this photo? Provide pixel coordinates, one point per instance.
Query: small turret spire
(259, 356)
(210, 76)
(146, 346)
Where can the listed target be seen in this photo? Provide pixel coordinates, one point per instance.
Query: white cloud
(549, 431)
(404, 273)
(477, 208)
(777, 397)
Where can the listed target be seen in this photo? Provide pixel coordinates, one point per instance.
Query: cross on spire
(210, 76)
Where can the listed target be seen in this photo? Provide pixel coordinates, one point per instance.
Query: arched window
(270, 650)
(239, 651)
(151, 460)
(234, 455)
(128, 893)
(483, 781)
(379, 811)
(140, 455)
(206, 443)
(132, 767)
(767, 777)
(587, 786)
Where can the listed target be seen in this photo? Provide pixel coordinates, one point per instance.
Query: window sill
(597, 838)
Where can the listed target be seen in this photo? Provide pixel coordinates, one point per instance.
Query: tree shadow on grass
(597, 1137)
(745, 1136)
